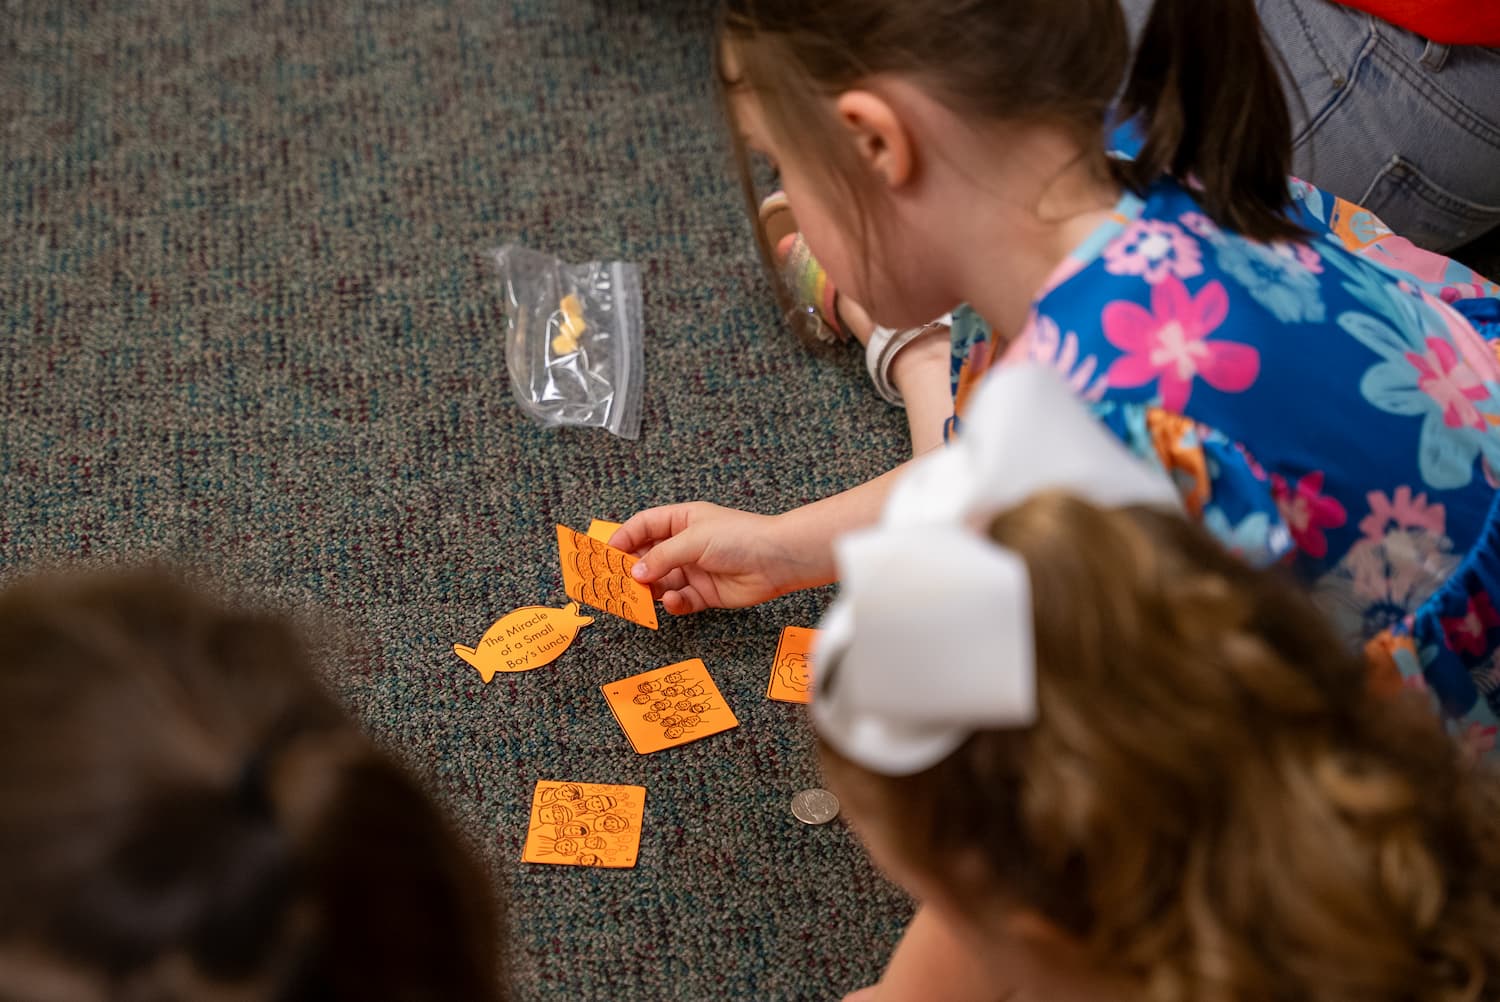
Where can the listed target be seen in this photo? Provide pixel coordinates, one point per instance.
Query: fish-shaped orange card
(528, 638)
(599, 575)
(669, 706)
(791, 670)
(585, 824)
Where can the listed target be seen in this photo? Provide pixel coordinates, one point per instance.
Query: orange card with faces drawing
(585, 824)
(599, 575)
(791, 669)
(669, 706)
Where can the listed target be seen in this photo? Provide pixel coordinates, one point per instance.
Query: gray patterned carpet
(246, 323)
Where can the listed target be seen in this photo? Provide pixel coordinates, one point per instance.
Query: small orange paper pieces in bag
(603, 531)
(669, 706)
(791, 670)
(599, 575)
(585, 824)
(528, 638)
(571, 327)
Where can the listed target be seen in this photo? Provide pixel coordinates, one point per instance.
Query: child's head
(184, 814)
(1209, 806)
(845, 94)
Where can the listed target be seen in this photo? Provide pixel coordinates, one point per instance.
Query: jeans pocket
(1416, 207)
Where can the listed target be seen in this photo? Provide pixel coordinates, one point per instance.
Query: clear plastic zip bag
(574, 349)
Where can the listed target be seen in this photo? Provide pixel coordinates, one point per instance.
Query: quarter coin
(815, 807)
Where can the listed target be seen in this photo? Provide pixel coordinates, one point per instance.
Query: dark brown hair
(1211, 801)
(1203, 84)
(185, 814)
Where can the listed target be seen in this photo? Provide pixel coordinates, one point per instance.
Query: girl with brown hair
(1114, 762)
(1323, 393)
(185, 814)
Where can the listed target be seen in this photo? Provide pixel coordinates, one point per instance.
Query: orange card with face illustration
(669, 706)
(791, 670)
(585, 824)
(599, 575)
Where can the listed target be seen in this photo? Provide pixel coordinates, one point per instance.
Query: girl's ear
(879, 135)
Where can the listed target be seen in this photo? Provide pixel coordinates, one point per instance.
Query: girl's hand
(700, 556)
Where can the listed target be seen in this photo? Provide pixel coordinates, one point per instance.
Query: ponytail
(1214, 113)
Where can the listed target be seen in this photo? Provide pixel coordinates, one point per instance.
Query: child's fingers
(669, 555)
(645, 528)
(674, 581)
(683, 601)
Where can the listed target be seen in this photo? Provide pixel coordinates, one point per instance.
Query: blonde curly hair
(1211, 802)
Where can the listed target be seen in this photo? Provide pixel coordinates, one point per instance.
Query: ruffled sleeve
(1221, 484)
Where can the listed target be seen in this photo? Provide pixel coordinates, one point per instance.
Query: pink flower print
(1155, 250)
(1477, 741)
(1300, 252)
(1170, 344)
(1468, 633)
(1198, 223)
(1402, 511)
(1046, 343)
(1453, 385)
(1308, 511)
(1477, 353)
(1401, 255)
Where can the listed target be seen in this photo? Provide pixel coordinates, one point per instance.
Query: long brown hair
(1203, 84)
(1211, 802)
(185, 814)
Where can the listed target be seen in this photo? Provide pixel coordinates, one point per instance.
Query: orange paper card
(585, 824)
(791, 671)
(598, 575)
(603, 531)
(525, 639)
(669, 706)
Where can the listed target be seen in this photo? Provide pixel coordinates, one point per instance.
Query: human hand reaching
(698, 556)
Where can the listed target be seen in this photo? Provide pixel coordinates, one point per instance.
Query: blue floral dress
(1333, 403)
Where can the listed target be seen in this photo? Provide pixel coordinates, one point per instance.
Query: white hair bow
(931, 636)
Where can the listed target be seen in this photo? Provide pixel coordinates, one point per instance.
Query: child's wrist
(915, 363)
(803, 551)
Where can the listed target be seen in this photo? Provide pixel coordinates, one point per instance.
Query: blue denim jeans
(1401, 126)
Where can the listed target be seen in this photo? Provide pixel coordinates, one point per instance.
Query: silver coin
(815, 807)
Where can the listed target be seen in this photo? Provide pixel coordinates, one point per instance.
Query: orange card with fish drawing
(791, 670)
(585, 824)
(669, 706)
(599, 575)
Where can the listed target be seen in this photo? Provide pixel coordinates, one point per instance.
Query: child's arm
(931, 964)
(920, 371)
(701, 556)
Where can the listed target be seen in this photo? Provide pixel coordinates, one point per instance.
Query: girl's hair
(184, 813)
(1210, 801)
(1203, 84)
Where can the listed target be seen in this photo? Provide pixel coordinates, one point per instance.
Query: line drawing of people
(562, 791)
(553, 814)
(794, 670)
(613, 823)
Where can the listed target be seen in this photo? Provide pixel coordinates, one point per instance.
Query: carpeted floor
(246, 323)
